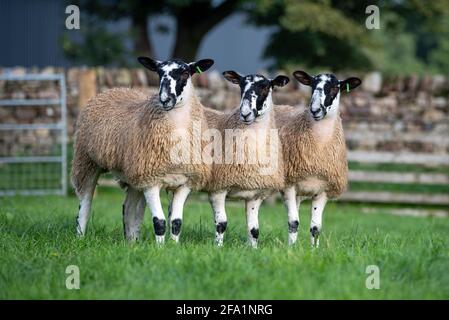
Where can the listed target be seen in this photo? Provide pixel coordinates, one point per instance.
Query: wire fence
(23, 169)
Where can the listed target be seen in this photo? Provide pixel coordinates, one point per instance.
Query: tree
(194, 19)
(331, 34)
(315, 34)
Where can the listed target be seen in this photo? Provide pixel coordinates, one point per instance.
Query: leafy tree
(194, 19)
(95, 46)
(332, 34)
(315, 34)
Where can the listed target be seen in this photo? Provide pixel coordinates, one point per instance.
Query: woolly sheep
(124, 132)
(247, 180)
(314, 149)
(244, 180)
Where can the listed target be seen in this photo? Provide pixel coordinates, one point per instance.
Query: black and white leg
(152, 196)
(177, 206)
(318, 203)
(133, 210)
(218, 201)
(252, 220)
(290, 201)
(86, 204)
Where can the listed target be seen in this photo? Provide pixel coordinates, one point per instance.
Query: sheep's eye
(185, 75)
(334, 91)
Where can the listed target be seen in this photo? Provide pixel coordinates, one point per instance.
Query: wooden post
(87, 86)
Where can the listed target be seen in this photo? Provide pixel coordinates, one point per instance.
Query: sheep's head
(174, 78)
(326, 90)
(255, 93)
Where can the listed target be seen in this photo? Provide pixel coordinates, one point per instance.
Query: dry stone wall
(386, 114)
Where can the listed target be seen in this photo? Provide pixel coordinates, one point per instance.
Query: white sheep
(246, 179)
(124, 132)
(252, 181)
(314, 150)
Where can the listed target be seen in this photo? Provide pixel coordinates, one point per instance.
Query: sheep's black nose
(246, 115)
(167, 102)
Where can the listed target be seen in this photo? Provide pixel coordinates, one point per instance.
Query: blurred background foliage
(413, 35)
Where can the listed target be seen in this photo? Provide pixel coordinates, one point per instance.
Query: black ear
(232, 76)
(280, 81)
(349, 84)
(200, 66)
(303, 77)
(149, 63)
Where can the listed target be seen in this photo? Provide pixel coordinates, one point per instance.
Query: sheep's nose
(167, 101)
(245, 116)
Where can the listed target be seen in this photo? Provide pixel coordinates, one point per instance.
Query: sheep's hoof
(219, 239)
(314, 236)
(160, 240)
(175, 238)
(292, 237)
(132, 238)
(79, 233)
(253, 243)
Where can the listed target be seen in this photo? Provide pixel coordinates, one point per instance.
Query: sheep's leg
(133, 210)
(252, 220)
(177, 205)
(292, 206)
(318, 203)
(170, 206)
(298, 201)
(217, 201)
(153, 199)
(85, 197)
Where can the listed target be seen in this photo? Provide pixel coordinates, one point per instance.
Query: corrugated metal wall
(30, 31)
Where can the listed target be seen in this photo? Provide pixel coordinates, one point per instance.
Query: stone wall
(385, 114)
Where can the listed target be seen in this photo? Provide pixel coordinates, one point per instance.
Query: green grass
(37, 243)
(28, 176)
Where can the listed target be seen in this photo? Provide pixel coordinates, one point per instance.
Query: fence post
(87, 86)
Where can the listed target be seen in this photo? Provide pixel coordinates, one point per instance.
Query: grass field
(37, 243)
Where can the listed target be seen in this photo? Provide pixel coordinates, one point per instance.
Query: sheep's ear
(303, 77)
(349, 84)
(232, 76)
(200, 66)
(280, 81)
(149, 63)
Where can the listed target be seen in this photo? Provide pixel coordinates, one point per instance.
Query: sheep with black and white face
(124, 132)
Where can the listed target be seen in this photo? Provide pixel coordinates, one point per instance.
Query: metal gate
(33, 173)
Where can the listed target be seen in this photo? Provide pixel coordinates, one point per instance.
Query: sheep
(245, 179)
(124, 132)
(315, 163)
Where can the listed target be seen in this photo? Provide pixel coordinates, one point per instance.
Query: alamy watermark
(73, 20)
(373, 280)
(258, 147)
(373, 20)
(72, 282)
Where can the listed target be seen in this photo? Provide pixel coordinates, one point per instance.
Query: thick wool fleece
(123, 131)
(247, 175)
(307, 157)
